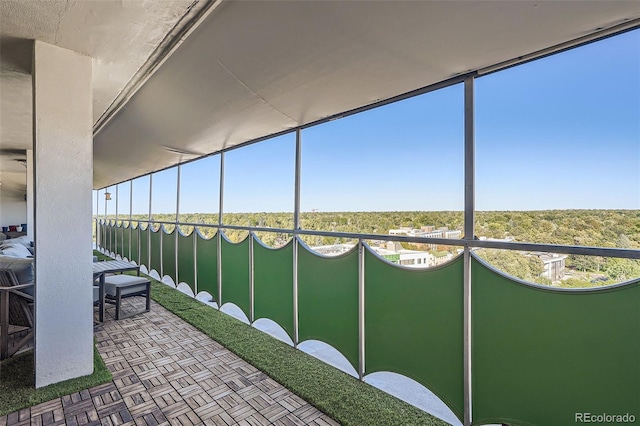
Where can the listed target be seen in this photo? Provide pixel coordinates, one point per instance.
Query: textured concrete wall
(29, 221)
(63, 152)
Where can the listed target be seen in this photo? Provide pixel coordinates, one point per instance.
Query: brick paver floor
(167, 372)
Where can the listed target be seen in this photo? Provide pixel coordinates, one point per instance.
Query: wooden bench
(118, 287)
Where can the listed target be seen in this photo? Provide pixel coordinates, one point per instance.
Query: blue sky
(562, 132)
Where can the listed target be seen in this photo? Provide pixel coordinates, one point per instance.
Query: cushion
(24, 240)
(128, 284)
(22, 267)
(15, 250)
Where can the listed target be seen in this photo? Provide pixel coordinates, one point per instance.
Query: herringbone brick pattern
(165, 372)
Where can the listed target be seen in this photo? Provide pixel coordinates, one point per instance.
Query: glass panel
(558, 148)
(164, 196)
(110, 201)
(140, 207)
(259, 187)
(200, 192)
(124, 201)
(384, 169)
(556, 137)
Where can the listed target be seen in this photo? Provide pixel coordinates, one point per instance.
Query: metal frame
(361, 312)
(469, 235)
(219, 243)
(176, 230)
(296, 229)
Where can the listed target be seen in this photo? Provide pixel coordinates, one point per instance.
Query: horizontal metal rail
(623, 253)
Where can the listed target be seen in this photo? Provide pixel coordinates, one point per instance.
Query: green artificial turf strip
(17, 389)
(341, 396)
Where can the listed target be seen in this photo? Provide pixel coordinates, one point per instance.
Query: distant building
(428, 232)
(553, 265)
(393, 252)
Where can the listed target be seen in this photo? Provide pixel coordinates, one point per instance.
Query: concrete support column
(63, 175)
(30, 188)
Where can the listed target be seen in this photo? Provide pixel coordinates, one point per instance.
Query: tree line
(599, 228)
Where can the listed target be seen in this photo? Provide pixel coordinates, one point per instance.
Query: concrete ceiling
(254, 68)
(121, 36)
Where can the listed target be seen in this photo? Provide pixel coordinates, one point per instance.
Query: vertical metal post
(361, 336)
(195, 261)
(149, 224)
(296, 227)
(296, 195)
(251, 279)
(296, 323)
(115, 236)
(96, 218)
(221, 209)
(130, 217)
(176, 230)
(469, 210)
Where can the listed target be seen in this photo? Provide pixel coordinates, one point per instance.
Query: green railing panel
(144, 247)
(135, 242)
(207, 264)
(414, 325)
(119, 231)
(328, 301)
(273, 284)
(235, 274)
(126, 238)
(169, 254)
(109, 238)
(541, 357)
(186, 272)
(155, 250)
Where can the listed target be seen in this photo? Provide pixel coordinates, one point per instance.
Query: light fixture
(107, 196)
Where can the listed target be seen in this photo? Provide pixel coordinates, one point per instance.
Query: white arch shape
(234, 310)
(206, 298)
(412, 392)
(273, 329)
(328, 354)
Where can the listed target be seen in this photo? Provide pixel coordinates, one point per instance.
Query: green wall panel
(135, 241)
(235, 274)
(414, 325)
(126, 238)
(273, 284)
(540, 356)
(119, 231)
(144, 247)
(328, 301)
(169, 254)
(207, 264)
(100, 236)
(155, 250)
(186, 261)
(109, 238)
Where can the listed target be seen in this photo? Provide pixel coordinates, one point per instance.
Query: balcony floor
(165, 371)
